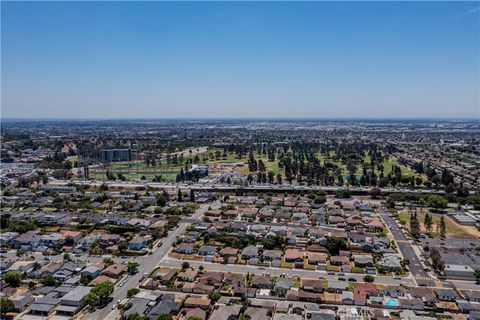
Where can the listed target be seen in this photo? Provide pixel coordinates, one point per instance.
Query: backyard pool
(391, 303)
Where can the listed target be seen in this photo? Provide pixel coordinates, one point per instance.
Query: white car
(114, 306)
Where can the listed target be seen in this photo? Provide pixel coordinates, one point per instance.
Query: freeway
(416, 268)
(147, 264)
(229, 188)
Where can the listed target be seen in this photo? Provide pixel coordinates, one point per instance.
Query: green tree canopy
(335, 244)
(6, 306)
(12, 278)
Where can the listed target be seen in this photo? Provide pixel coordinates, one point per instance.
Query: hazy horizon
(230, 60)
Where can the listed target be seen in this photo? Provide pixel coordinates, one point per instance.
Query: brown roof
(229, 251)
(193, 301)
(101, 279)
(314, 283)
(115, 269)
(314, 256)
(293, 254)
(212, 277)
(340, 259)
(196, 313)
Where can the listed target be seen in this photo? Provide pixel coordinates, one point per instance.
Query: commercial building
(115, 155)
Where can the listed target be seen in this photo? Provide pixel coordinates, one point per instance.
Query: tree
(428, 222)
(390, 202)
(131, 292)
(4, 220)
(192, 195)
(164, 316)
(414, 226)
(437, 202)
(134, 316)
(108, 261)
(443, 227)
(132, 266)
(122, 246)
(368, 278)
(179, 195)
(215, 296)
(275, 242)
(437, 262)
(99, 295)
(477, 275)
(161, 201)
(12, 278)
(335, 244)
(375, 193)
(279, 178)
(270, 177)
(185, 265)
(48, 281)
(85, 280)
(320, 199)
(91, 299)
(6, 306)
(405, 262)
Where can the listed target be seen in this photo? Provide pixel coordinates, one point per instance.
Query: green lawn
(169, 171)
(307, 266)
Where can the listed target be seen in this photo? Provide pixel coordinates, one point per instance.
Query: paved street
(174, 263)
(421, 276)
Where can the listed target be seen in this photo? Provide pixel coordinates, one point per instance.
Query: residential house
(187, 275)
(194, 302)
(139, 243)
(184, 248)
(250, 252)
(257, 313)
(224, 312)
(339, 260)
(446, 294)
(313, 285)
(282, 285)
(293, 255)
(196, 313)
(115, 270)
(363, 261)
(347, 297)
(391, 262)
(73, 301)
(316, 258)
(261, 282)
(337, 286)
(207, 250)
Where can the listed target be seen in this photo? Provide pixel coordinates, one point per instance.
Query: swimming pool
(391, 303)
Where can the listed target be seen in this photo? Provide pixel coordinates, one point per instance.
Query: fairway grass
(135, 170)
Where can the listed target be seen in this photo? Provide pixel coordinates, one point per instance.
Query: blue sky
(251, 59)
